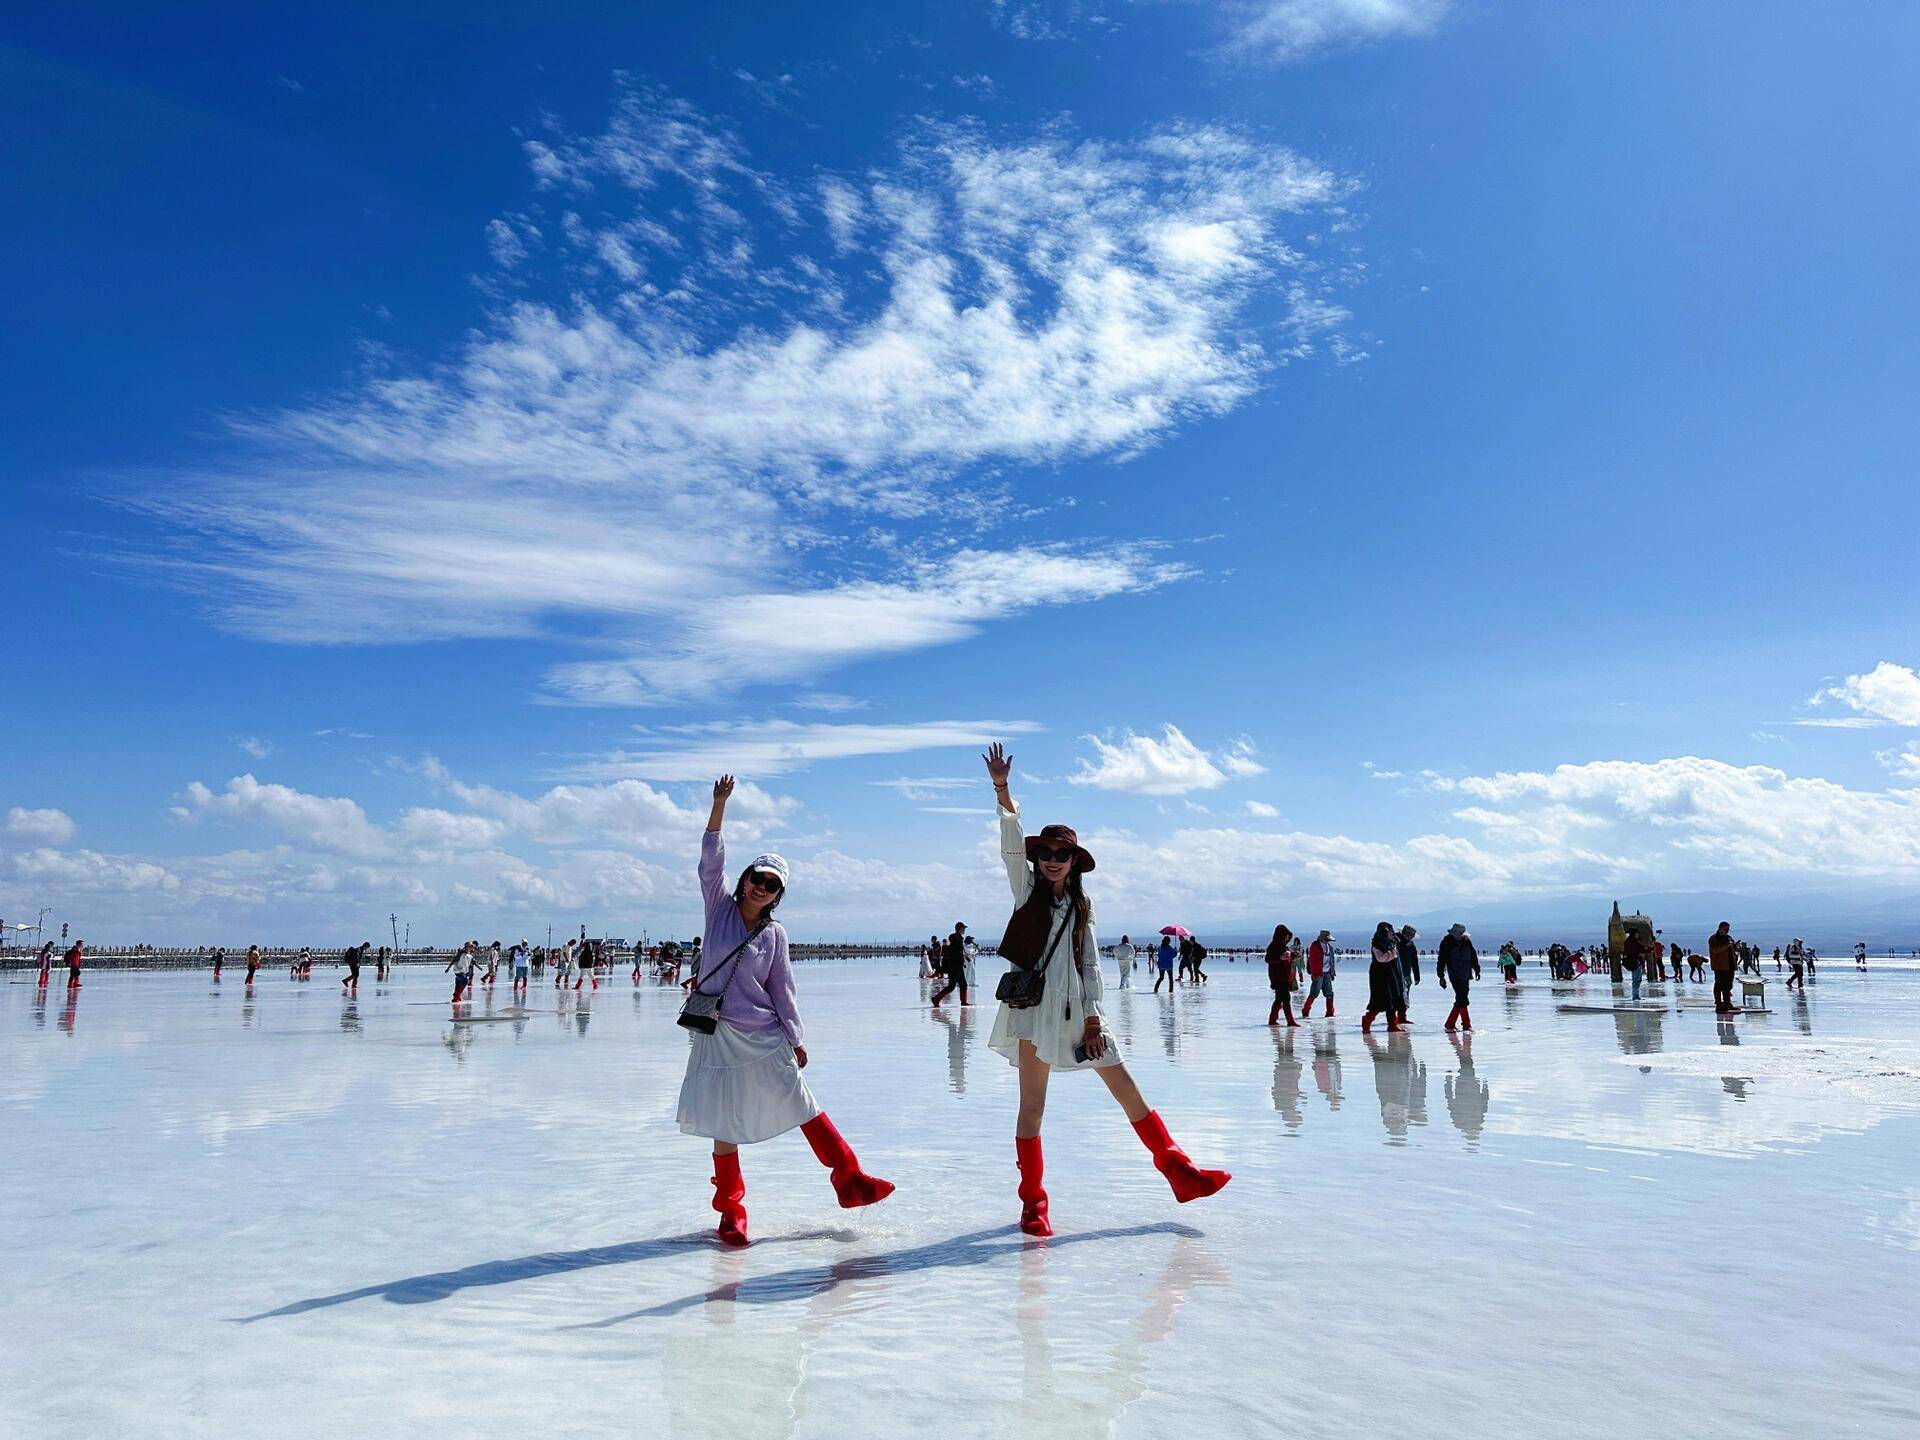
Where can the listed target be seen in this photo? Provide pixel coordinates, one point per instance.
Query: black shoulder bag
(702, 1010)
(1023, 988)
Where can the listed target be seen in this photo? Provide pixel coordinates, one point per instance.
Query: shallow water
(292, 1214)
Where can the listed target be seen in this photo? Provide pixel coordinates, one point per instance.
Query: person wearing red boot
(1320, 967)
(743, 1082)
(1458, 964)
(1063, 1031)
(1383, 979)
(1280, 975)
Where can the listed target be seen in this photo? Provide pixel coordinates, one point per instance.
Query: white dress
(1073, 992)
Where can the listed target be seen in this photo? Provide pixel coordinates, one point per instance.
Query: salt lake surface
(296, 1215)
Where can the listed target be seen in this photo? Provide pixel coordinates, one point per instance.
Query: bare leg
(1120, 1082)
(723, 1147)
(1033, 1092)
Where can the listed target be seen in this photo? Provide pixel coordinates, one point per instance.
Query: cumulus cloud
(1888, 692)
(1260, 810)
(254, 746)
(1708, 815)
(39, 827)
(1291, 29)
(1170, 765)
(333, 824)
(655, 453)
(1904, 763)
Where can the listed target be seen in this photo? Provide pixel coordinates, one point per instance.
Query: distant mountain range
(1832, 923)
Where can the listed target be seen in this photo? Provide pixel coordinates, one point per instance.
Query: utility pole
(393, 922)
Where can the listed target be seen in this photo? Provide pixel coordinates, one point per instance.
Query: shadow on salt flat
(426, 1289)
(960, 1251)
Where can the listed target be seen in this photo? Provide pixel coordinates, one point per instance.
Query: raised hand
(999, 764)
(723, 787)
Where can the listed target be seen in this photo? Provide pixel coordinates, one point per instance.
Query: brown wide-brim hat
(1054, 836)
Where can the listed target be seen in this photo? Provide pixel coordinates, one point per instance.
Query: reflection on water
(1170, 1026)
(959, 1038)
(1638, 1031)
(1060, 1402)
(1400, 1080)
(1467, 1094)
(1287, 1073)
(1326, 1064)
(350, 1016)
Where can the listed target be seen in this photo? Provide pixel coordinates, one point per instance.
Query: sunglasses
(764, 880)
(1063, 854)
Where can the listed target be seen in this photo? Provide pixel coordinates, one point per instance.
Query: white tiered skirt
(743, 1087)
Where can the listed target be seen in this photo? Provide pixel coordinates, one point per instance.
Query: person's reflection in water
(1098, 1398)
(70, 1012)
(1802, 1016)
(582, 1011)
(39, 1009)
(1736, 1085)
(458, 1040)
(1400, 1081)
(719, 1387)
(350, 1016)
(959, 1030)
(1170, 1030)
(1638, 1031)
(1326, 1065)
(1467, 1094)
(246, 1012)
(1287, 1071)
(1729, 1031)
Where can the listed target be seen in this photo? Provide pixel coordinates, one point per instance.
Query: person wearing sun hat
(743, 1081)
(1064, 1030)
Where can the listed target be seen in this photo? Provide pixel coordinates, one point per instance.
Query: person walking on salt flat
(1320, 967)
(743, 1082)
(1280, 976)
(1383, 979)
(1458, 964)
(1123, 958)
(1057, 1024)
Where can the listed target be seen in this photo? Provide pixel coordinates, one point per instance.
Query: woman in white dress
(743, 1082)
(1064, 1031)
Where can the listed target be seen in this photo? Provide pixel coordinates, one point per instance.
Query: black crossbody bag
(1021, 989)
(702, 1010)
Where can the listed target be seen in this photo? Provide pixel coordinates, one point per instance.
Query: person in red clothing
(75, 954)
(1280, 975)
(46, 963)
(1320, 964)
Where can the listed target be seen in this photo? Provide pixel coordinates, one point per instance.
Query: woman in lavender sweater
(743, 1081)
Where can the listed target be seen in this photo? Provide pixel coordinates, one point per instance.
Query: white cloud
(828, 703)
(1905, 764)
(39, 827)
(1709, 816)
(777, 747)
(778, 637)
(1887, 692)
(254, 746)
(663, 454)
(1170, 765)
(1260, 810)
(1290, 29)
(331, 823)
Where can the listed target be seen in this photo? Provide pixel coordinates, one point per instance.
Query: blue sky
(1362, 455)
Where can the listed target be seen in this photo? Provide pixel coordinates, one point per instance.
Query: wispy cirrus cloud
(698, 373)
(778, 747)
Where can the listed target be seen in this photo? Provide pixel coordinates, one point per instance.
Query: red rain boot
(1366, 1023)
(729, 1198)
(1466, 1020)
(1306, 1011)
(852, 1184)
(1453, 1017)
(1329, 1007)
(1188, 1180)
(1033, 1199)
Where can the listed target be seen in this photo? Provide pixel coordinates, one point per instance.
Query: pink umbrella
(1180, 930)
